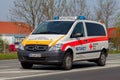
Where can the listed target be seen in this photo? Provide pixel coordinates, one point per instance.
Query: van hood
(42, 39)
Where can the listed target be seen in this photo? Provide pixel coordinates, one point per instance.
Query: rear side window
(94, 29)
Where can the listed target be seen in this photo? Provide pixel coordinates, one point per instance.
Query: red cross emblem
(90, 46)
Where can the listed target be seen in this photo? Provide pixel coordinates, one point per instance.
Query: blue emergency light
(56, 17)
(81, 17)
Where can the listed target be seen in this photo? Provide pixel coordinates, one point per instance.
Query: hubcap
(103, 58)
(68, 61)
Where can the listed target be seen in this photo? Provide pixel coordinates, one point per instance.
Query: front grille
(36, 47)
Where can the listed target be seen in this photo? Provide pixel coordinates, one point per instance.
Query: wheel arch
(71, 52)
(105, 51)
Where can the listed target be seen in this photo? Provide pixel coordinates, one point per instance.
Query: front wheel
(102, 59)
(26, 65)
(67, 62)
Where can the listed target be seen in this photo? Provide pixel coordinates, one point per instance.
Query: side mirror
(77, 35)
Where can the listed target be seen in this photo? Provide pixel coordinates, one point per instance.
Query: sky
(6, 5)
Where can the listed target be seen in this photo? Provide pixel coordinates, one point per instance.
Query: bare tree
(78, 7)
(35, 11)
(105, 10)
(60, 7)
(47, 8)
(27, 11)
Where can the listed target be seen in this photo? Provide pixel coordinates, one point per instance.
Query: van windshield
(53, 27)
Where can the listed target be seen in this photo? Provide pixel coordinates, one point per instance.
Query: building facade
(14, 32)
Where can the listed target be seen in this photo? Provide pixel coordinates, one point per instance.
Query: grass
(114, 51)
(4, 56)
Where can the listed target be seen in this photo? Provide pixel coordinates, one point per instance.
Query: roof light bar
(69, 18)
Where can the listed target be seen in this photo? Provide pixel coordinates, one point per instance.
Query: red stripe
(80, 42)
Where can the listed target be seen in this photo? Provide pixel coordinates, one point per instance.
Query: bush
(3, 46)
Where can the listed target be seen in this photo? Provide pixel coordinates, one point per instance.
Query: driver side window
(79, 29)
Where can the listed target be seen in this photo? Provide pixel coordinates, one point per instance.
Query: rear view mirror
(77, 35)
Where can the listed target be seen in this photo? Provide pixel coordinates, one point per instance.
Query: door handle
(85, 40)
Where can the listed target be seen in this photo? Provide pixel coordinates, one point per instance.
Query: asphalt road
(11, 70)
(103, 74)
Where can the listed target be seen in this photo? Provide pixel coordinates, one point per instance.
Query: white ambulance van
(63, 41)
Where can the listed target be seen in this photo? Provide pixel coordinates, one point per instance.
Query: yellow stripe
(41, 42)
(53, 43)
(23, 42)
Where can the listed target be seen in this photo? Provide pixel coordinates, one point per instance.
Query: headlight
(21, 47)
(56, 47)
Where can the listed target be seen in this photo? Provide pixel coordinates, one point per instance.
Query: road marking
(10, 69)
(114, 61)
(110, 64)
(4, 66)
(20, 71)
(8, 65)
(2, 78)
(61, 72)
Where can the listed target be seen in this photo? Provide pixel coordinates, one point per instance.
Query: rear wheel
(26, 65)
(67, 62)
(102, 59)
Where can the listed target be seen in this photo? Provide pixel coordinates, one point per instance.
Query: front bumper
(47, 57)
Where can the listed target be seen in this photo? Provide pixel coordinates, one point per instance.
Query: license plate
(34, 55)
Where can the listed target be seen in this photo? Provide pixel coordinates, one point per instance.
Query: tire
(67, 61)
(26, 65)
(102, 59)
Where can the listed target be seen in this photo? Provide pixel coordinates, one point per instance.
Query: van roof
(81, 21)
